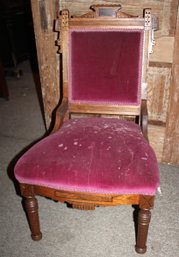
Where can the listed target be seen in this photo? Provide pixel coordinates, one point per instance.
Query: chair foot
(140, 250)
(31, 207)
(143, 225)
(37, 237)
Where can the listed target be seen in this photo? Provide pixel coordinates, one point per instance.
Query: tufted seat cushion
(97, 155)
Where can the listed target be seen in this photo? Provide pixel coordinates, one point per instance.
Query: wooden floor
(156, 136)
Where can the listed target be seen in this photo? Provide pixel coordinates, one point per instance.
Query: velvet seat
(96, 155)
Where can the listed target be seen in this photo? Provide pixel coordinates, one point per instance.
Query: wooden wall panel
(171, 144)
(163, 50)
(158, 79)
(156, 139)
(44, 12)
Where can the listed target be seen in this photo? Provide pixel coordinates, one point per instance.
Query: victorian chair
(98, 152)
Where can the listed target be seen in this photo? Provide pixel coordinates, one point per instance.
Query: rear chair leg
(143, 225)
(31, 207)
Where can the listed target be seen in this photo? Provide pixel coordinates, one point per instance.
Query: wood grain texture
(171, 144)
(165, 10)
(163, 50)
(104, 109)
(86, 198)
(156, 135)
(158, 79)
(44, 12)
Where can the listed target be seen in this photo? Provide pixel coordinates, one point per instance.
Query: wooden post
(44, 13)
(144, 216)
(171, 144)
(31, 207)
(143, 226)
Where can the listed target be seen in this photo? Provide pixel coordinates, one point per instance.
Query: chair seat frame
(87, 201)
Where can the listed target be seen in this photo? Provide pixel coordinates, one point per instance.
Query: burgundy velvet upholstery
(97, 155)
(105, 66)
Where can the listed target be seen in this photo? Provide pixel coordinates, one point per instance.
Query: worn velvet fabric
(97, 155)
(105, 66)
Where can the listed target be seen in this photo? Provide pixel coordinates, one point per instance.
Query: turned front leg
(143, 226)
(31, 207)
